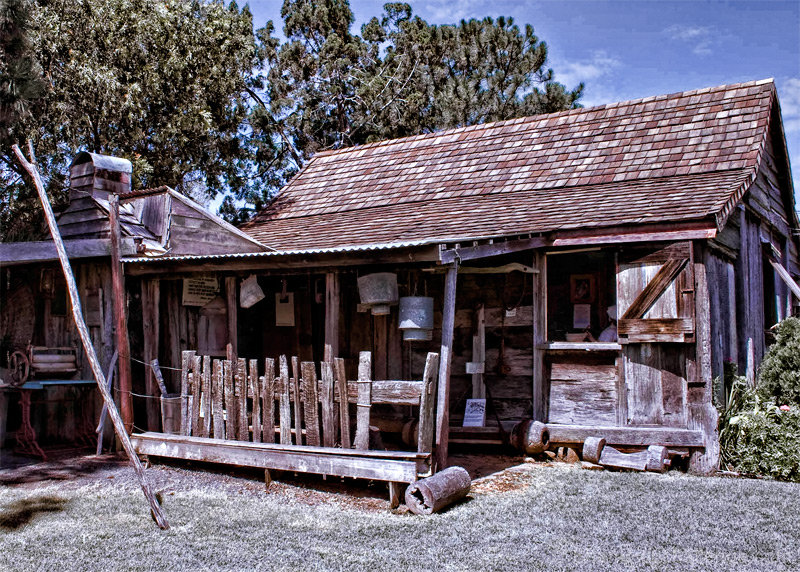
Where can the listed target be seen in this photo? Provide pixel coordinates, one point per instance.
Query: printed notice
(475, 413)
(199, 291)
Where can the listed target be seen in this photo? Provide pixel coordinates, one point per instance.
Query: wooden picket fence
(295, 403)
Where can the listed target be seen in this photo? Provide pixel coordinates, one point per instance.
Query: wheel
(18, 369)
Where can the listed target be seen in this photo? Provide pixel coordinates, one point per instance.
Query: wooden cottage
(35, 316)
(593, 269)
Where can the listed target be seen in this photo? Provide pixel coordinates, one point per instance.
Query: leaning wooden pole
(120, 321)
(77, 314)
(446, 356)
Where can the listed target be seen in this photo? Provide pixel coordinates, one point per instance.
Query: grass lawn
(533, 517)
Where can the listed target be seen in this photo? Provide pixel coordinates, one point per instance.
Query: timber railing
(291, 415)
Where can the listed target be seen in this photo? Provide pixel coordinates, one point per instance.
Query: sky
(624, 49)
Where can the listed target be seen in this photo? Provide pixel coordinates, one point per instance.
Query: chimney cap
(106, 162)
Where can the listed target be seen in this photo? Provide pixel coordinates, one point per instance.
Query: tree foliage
(198, 101)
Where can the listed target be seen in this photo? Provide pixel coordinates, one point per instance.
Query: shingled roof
(672, 158)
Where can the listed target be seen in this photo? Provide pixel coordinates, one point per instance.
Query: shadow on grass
(62, 470)
(21, 512)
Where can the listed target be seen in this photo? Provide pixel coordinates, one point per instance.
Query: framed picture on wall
(582, 288)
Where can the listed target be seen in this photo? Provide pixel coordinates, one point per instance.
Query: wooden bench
(231, 414)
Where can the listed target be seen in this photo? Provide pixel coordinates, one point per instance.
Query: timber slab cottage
(592, 269)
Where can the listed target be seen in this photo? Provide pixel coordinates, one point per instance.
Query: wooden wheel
(18, 368)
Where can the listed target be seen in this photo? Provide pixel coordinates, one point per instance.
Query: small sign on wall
(284, 309)
(475, 413)
(200, 290)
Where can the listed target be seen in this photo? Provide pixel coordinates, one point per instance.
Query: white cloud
(450, 11)
(700, 37)
(595, 71)
(789, 94)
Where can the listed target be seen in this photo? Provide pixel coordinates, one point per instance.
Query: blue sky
(623, 49)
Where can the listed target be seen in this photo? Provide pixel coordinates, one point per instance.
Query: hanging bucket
(416, 318)
(379, 291)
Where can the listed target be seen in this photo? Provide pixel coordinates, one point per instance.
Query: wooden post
(328, 407)
(344, 403)
(298, 415)
(151, 296)
(332, 305)
(311, 408)
(539, 301)
(268, 402)
(285, 407)
(479, 353)
(233, 313)
(77, 314)
(364, 402)
(426, 402)
(443, 396)
(217, 394)
(120, 322)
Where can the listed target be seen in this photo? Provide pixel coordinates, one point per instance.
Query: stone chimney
(98, 175)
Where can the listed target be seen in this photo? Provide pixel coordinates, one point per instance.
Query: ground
(90, 514)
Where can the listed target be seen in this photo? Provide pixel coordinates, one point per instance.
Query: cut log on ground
(593, 448)
(530, 437)
(432, 494)
(657, 459)
(654, 459)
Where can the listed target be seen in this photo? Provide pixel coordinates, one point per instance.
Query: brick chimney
(98, 175)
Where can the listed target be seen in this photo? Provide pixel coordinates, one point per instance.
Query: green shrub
(758, 437)
(779, 375)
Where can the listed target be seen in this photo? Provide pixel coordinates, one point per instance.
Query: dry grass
(531, 517)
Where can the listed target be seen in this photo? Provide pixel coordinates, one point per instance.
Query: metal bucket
(379, 291)
(416, 318)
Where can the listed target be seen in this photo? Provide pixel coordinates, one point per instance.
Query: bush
(758, 437)
(779, 375)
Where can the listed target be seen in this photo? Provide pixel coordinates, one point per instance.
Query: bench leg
(394, 494)
(267, 479)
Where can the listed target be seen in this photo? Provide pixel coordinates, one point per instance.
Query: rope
(151, 365)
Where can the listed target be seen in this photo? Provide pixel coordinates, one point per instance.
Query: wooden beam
(631, 436)
(376, 465)
(120, 320)
(786, 277)
(86, 340)
(445, 361)
(14, 253)
(650, 233)
(539, 301)
(151, 299)
(233, 313)
(487, 250)
(655, 288)
(332, 311)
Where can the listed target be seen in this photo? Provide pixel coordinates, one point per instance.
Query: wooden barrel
(410, 432)
(530, 437)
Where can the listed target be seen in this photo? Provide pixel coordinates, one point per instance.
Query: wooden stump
(430, 495)
(593, 448)
(657, 460)
(530, 437)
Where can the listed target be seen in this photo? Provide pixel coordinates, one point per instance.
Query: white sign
(582, 316)
(475, 413)
(199, 291)
(284, 310)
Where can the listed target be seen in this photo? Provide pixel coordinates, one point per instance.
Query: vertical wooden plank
(230, 400)
(344, 404)
(254, 388)
(197, 385)
(381, 346)
(364, 402)
(151, 298)
(539, 302)
(243, 432)
(296, 399)
(479, 352)
(427, 420)
(233, 313)
(285, 407)
(702, 413)
(268, 402)
(394, 494)
(332, 312)
(733, 342)
(328, 407)
(311, 408)
(445, 356)
(187, 360)
(644, 391)
(217, 396)
(207, 397)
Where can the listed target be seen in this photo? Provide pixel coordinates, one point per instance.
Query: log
(344, 409)
(86, 340)
(364, 404)
(530, 437)
(432, 494)
(611, 457)
(592, 449)
(657, 459)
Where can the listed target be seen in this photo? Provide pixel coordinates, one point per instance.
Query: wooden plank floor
(391, 466)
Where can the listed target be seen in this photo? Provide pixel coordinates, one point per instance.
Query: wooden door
(655, 305)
